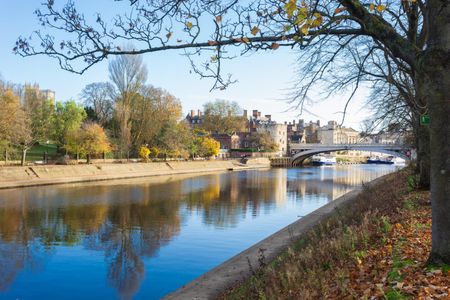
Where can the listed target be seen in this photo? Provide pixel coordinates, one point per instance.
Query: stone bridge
(300, 152)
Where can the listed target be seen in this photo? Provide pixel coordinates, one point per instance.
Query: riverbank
(375, 248)
(358, 246)
(15, 177)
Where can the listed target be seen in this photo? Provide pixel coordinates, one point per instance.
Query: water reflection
(127, 223)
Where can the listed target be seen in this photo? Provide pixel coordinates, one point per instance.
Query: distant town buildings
(47, 95)
(194, 120)
(286, 133)
(277, 131)
(332, 133)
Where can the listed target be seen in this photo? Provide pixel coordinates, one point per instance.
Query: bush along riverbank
(374, 248)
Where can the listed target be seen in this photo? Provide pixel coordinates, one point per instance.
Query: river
(143, 238)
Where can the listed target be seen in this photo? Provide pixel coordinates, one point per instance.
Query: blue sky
(264, 79)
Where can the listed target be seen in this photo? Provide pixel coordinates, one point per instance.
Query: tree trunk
(434, 66)
(423, 155)
(88, 158)
(24, 156)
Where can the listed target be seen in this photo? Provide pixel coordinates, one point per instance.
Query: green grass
(395, 295)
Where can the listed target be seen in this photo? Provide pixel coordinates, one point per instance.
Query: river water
(143, 238)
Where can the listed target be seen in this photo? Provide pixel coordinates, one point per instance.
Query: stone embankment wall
(13, 177)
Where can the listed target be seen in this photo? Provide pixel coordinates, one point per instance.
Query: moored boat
(381, 160)
(320, 160)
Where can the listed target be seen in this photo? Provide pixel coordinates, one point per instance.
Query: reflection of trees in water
(129, 222)
(15, 256)
(126, 232)
(229, 197)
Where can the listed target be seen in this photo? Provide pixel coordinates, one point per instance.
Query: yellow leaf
(275, 46)
(245, 40)
(381, 8)
(305, 30)
(218, 19)
(300, 19)
(371, 7)
(290, 8)
(255, 30)
(189, 25)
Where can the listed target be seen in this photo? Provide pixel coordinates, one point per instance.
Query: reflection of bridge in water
(303, 151)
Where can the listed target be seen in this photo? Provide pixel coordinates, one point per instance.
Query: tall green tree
(68, 117)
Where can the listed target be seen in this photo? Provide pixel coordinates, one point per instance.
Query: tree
(152, 108)
(128, 73)
(14, 123)
(93, 140)
(68, 117)
(263, 141)
(73, 142)
(173, 139)
(208, 147)
(413, 34)
(222, 116)
(100, 97)
(144, 153)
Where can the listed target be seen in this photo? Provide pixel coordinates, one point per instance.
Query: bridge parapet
(303, 151)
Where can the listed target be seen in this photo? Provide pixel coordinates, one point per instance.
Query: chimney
(192, 113)
(199, 113)
(293, 122)
(268, 117)
(245, 113)
(259, 114)
(285, 122)
(318, 123)
(255, 113)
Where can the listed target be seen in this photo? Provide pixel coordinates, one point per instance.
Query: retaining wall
(12, 177)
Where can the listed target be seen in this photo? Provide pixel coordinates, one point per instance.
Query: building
(47, 95)
(310, 131)
(278, 132)
(194, 120)
(332, 133)
(227, 141)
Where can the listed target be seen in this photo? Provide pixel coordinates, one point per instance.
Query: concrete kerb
(211, 284)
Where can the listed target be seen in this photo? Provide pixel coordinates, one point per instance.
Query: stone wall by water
(56, 174)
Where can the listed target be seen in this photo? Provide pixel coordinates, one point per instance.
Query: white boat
(321, 160)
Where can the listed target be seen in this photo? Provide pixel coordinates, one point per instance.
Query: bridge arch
(299, 157)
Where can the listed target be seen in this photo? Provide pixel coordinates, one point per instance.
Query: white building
(335, 134)
(278, 132)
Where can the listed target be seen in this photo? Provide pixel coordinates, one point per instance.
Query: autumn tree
(128, 73)
(152, 108)
(263, 141)
(172, 139)
(99, 96)
(223, 116)
(94, 140)
(414, 34)
(208, 147)
(15, 128)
